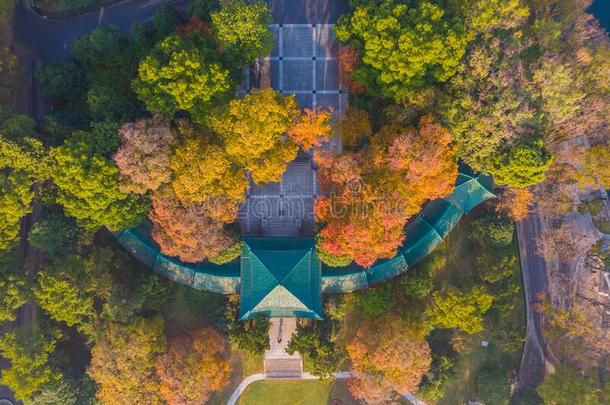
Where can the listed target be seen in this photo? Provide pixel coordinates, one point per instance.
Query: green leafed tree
(522, 165)
(567, 386)
(89, 188)
(29, 355)
(55, 235)
(242, 27)
(405, 45)
(13, 284)
(67, 289)
(452, 308)
(182, 74)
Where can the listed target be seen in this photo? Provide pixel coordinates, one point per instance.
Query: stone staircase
(278, 364)
(283, 366)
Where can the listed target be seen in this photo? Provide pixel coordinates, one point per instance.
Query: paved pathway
(535, 281)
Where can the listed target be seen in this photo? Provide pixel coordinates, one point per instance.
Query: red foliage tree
(190, 233)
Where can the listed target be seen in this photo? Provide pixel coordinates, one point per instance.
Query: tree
(251, 335)
(487, 107)
(595, 167)
(521, 166)
(15, 199)
(566, 243)
(313, 128)
(253, 131)
(182, 74)
(29, 355)
(405, 45)
(167, 20)
(371, 194)
(242, 27)
(492, 232)
(482, 16)
(188, 232)
(89, 189)
(452, 308)
(60, 82)
(123, 362)
(385, 357)
(315, 343)
(566, 386)
(194, 367)
(374, 302)
(68, 288)
(55, 235)
(515, 203)
(354, 128)
(15, 291)
(203, 172)
(204, 8)
(144, 156)
(66, 391)
(493, 266)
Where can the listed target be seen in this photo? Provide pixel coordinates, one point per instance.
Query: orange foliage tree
(386, 357)
(515, 203)
(371, 195)
(194, 367)
(192, 232)
(312, 129)
(123, 362)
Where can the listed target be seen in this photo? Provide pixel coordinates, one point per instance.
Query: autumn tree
(194, 367)
(349, 60)
(188, 232)
(484, 16)
(123, 362)
(312, 129)
(204, 171)
(386, 357)
(372, 194)
(144, 156)
(242, 27)
(452, 308)
(515, 203)
(89, 187)
(405, 45)
(353, 128)
(567, 242)
(253, 130)
(182, 74)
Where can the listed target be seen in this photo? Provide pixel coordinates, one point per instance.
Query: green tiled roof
(280, 277)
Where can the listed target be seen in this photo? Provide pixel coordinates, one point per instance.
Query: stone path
(278, 364)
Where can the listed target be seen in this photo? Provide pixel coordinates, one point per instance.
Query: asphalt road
(50, 40)
(535, 280)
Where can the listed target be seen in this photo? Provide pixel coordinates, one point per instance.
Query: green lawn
(296, 393)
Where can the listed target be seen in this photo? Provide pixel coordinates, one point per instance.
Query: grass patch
(296, 393)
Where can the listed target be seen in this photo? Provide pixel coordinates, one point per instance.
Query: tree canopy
(403, 45)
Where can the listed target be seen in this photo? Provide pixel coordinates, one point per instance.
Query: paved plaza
(304, 63)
